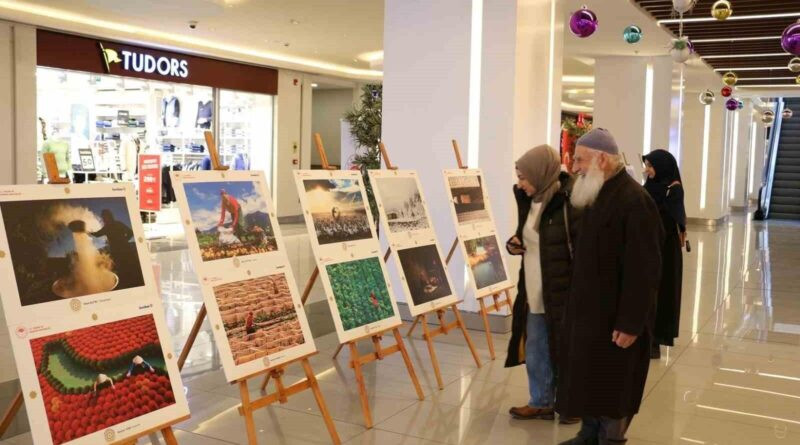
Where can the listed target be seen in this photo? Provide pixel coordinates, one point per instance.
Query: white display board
(347, 252)
(84, 315)
(477, 234)
(408, 227)
(240, 259)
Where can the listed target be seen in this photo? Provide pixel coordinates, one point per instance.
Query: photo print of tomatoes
(230, 219)
(96, 377)
(259, 317)
(359, 288)
(66, 248)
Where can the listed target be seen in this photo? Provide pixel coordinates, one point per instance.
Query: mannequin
(57, 145)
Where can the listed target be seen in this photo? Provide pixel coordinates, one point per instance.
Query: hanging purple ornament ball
(732, 104)
(583, 23)
(790, 40)
(726, 91)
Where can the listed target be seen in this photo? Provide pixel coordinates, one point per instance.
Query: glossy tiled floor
(733, 378)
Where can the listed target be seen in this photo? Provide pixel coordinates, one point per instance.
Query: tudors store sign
(71, 52)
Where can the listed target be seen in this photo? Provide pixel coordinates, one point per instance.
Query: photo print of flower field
(483, 257)
(97, 377)
(424, 272)
(467, 194)
(360, 291)
(402, 203)
(66, 248)
(259, 317)
(230, 218)
(337, 209)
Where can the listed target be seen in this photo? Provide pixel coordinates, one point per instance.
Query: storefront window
(246, 130)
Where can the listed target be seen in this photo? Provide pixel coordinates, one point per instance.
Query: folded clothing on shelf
(168, 148)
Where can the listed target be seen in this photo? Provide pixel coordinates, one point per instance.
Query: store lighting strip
(734, 18)
(753, 68)
(740, 56)
(582, 80)
(734, 153)
(704, 172)
(551, 73)
(735, 39)
(763, 78)
(770, 85)
(648, 109)
(474, 118)
(140, 32)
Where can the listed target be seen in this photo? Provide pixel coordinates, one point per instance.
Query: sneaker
(528, 412)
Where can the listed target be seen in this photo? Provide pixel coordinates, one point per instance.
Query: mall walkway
(733, 378)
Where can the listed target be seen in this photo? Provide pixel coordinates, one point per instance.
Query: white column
(484, 72)
(287, 142)
(633, 98)
(740, 152)
(758, 152)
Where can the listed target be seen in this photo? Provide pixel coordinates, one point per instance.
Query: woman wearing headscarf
(664, 185)
(544, 238)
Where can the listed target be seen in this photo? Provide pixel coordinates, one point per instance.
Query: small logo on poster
(75, 305)
(109, 435)
(21, 331)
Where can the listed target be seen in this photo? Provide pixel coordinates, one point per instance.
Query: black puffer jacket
(556, 260)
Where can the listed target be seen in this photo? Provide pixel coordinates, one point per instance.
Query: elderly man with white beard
(610, 311)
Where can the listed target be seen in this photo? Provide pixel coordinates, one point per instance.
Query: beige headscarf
(541, 166)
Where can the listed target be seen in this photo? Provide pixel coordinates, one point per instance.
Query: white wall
(17, 104)
(328, 108)
(740, 153)
(287, 142)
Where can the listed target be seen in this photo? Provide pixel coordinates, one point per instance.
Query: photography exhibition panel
(347, 252)
(412, 238)
(249, 291)
(86, 323)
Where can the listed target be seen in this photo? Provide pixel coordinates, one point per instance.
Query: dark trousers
(605, 430)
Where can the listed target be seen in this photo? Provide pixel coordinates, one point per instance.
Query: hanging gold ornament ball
(730, 78)
(721, 10)
(794, 65)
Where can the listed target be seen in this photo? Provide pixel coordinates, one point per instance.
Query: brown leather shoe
(569, 420)
(528, 412)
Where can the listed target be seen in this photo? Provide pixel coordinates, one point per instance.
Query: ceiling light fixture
(577, 79)
(314, 85)
(753, 68)
(738, 56)
(371, 56)
(735, 39)
(788, 85)
(765, 78)
(732, 18)
(141, 33)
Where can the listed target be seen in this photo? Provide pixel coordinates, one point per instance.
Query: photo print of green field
(424, 272)
(483, 257)
(66, 248)
(230, 219)
(97, 377)
(259, 317)
(360, 291)
(466, 192)
(402, 204)
(337, 209)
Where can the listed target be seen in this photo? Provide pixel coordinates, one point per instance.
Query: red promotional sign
(150, 183)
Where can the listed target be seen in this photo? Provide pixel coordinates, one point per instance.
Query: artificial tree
(365, 127)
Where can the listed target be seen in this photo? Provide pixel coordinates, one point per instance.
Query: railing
(772, 157)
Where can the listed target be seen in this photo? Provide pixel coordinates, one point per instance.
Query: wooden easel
(497, 302)
(53, 177)
(356, 359)
(282, 393)
(444, 327)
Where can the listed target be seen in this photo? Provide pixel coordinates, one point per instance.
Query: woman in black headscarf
(664, 185)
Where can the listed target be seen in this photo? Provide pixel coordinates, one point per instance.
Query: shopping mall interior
(153, 117)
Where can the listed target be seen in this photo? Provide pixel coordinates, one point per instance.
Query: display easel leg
(432, 352)
(323, 408)
(485, 317)
(402, 346)
(338, 350)
(247, 412)
(413, 325)
(198, 322)
(169, 436)
(463, 328)
(11, 412)
(362, 389)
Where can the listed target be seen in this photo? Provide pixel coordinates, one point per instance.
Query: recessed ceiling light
(314, 85)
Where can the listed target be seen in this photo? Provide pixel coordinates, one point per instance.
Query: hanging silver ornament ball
(730, 78)
(787, 113)
(721, 10)
(632, 34)
(707, 97)
(794, 65)
(683, 6)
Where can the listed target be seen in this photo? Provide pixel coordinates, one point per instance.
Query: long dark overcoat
(614, 287)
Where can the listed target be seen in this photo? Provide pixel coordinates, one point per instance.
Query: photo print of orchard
(97, 377)
(337, 209)
(483, 257)
(66, 248)
(467, 195)
(230, 219)
(402, 204)
(424, 272)
(360, 291)
(259, 317)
